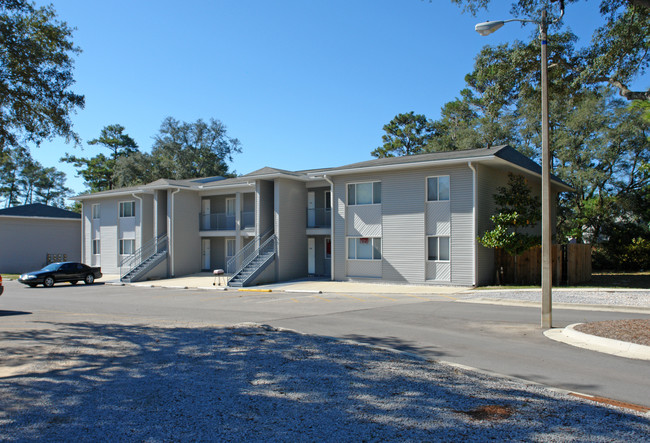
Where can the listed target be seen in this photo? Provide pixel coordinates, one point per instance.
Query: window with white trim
(127, 209)
(96, 247)
(95, 211)
(438, 188)
(368, 193)
(127, 246)
(364, 248)
(438, 248)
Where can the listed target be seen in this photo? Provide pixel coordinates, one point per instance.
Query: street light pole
(487, 28)
(547, 276)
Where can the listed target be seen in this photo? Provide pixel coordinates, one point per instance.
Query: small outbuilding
(32, 236)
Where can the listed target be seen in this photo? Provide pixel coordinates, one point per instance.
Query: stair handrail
(259, 251)
(244, 253)
(156, 244)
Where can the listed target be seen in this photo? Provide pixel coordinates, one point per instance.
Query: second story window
(95, 211)
(438, 188)
(368, 193)
(127, 209)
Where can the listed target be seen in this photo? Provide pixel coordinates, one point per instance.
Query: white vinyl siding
(127, 209)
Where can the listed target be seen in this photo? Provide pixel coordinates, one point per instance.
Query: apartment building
(412, 219)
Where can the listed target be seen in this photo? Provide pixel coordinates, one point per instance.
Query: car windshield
(52, 267)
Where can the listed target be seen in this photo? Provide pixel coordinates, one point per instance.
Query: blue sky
(301, 83)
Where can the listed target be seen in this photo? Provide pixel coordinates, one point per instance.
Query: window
(127, 209)
(328, 248)
(96, 247)
(127, 246)
(438, 248)
(364, 193)
(363, 248)
(438, 188)
(230, 206)
(95, 211)
(230, 247)
(328, 200)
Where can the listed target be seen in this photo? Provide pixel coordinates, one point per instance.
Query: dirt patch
(489, 412)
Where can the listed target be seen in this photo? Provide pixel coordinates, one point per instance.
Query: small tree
(518, 211)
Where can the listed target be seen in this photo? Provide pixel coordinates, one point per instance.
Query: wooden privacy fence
(570, 264)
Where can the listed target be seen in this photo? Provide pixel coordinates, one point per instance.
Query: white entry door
(311, 255)
(205, 253)
(311, 209)
(205, 222)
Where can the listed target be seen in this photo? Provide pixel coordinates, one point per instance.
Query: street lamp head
(487, 28)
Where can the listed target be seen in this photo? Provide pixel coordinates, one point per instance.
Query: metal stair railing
(241, 258)
(268, 247)
(153, 246)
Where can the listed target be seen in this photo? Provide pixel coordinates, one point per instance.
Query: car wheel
(48, 282)
(90, 279)
(73, 282)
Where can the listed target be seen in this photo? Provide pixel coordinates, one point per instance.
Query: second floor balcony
(319, 218)
(225, 222)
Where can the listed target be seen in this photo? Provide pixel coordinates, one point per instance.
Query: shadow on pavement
(86, 381)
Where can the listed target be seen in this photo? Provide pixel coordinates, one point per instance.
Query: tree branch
(624, 91)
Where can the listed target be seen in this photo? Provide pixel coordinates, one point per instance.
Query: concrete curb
(579, 339)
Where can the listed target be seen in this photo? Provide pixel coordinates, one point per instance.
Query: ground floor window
(96, 247)
(230, 247)
(438, 248)
(127, 246)
(328, 248)
(364, 248)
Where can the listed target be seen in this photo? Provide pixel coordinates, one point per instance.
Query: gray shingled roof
(39, 210)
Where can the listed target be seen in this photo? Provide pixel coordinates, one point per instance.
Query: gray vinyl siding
(403, 226)
(290, 228)
(264, 202)
(462, 226)
(186, 242)
(146, 217)
(27, 241)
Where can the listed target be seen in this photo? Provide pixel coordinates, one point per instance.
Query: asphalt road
(501, 339)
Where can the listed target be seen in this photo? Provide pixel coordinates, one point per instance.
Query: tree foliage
(618, 51)
(36, 63)
(518, 211)
(24, 180)
(99, 172)
(188, 150)
(406, 134)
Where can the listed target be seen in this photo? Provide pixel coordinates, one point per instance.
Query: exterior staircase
(144, 259)
(250, 263)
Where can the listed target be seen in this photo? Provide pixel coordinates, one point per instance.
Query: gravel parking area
(90, 382)
(610, 297)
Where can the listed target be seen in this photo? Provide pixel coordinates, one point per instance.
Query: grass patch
(10, 276)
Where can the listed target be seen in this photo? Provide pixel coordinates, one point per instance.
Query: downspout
(171, 233)
(332, 255)
(83, 234)
(139, 198)
(474, 222)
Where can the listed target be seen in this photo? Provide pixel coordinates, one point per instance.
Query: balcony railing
(319, 218)
(225, 222)
(217, 222)
(247, 220)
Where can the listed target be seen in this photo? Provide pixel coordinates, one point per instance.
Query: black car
(61, 272)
